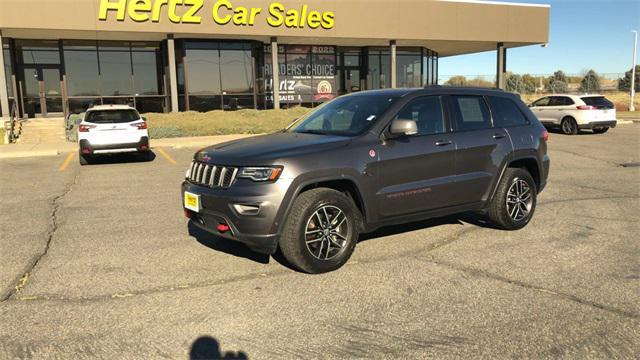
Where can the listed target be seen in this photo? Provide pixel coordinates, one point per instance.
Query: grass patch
(193, 123)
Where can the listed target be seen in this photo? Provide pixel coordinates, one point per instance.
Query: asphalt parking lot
(99, 261)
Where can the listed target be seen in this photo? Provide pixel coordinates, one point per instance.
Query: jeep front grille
(211, 175)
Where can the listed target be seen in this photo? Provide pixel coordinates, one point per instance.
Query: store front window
(409, 68)
(378, 69)
(217, 75)
(110, 72)
(429, 67)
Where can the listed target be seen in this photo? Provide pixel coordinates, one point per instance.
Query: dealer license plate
(192, 201)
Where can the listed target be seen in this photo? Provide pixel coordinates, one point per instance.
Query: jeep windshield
(344, 116)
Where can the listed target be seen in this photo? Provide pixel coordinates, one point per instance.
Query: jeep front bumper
(256, 229)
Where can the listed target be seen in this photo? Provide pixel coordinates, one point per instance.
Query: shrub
(590, 82)
(624, 84)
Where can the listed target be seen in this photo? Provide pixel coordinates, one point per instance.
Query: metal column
(173, 78)
(4, 96)
(394, 64)
(501, 66)
(275, 73)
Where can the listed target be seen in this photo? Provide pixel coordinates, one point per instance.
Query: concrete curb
(26, 154)
(28, 150)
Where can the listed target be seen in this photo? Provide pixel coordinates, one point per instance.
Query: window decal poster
(307, 73)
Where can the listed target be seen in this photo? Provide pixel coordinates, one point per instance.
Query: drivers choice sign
(307, 73)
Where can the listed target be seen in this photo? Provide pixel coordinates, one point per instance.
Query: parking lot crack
(558, 294)
(22, 281)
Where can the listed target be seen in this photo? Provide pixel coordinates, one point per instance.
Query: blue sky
(584, 34)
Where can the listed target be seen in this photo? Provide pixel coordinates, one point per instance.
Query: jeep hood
(264, 149)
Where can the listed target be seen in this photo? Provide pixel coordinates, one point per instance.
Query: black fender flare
(312, 178)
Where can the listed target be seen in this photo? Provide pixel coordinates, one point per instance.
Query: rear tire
(84, 159)
(514, 203)
(321, 231)
(569, 126)
(600, 130)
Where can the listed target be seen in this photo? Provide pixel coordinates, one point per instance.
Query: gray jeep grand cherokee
(367, 160)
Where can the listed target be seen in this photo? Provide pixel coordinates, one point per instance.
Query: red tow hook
(222, 228)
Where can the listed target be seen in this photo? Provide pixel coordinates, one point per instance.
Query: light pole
(633, 71)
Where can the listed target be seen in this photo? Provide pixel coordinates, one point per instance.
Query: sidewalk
(52, 149)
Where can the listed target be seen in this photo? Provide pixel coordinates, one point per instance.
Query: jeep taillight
(140, 126)
(85, 128)
(545, 135)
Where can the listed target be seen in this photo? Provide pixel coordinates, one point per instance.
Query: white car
(112, 129)
(575, 112)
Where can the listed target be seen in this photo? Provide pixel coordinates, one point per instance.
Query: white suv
(574, 112)
(112, 129)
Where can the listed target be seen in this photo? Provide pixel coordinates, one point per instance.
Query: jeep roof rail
(463, 87)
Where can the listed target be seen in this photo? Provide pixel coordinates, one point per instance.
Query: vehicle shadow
(473, 218)
(240, 250)
(122, 158)
(207, 347)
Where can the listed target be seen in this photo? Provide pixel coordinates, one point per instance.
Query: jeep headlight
(187, 175)
(270, 173)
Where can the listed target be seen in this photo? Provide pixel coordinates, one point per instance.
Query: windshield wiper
(316, 132)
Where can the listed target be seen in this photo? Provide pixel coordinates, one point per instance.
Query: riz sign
(223, 12)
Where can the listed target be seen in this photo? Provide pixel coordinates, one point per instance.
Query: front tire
(321, 231)
(569, 126)
(514, 203)
(600, 130)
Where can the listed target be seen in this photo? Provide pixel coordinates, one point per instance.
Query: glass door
(352, 80)
(350, 70)
(32, 92)
(43, 95)
(52, 94)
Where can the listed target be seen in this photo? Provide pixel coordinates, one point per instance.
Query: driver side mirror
(403, 127)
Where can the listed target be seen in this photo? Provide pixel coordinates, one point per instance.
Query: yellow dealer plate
(192, 201)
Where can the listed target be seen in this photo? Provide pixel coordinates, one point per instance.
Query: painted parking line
(67, 161)
(166, 156)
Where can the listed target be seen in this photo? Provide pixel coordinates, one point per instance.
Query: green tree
(524, 84)
(624, 84)
(479, 82)
(557, 83)
(590, 82)
(457, 80)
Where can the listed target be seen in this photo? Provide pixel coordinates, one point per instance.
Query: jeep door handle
(499, 136)
(443, 142)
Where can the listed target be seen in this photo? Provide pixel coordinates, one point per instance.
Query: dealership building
(63, 56)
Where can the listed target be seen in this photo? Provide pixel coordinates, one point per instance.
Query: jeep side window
(472, 113)
(506, 113)
(427, 113)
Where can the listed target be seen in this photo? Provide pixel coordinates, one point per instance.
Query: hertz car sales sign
(223, 12)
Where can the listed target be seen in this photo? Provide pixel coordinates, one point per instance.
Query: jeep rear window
(112, 116)
(600, 102)
(346, 116)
